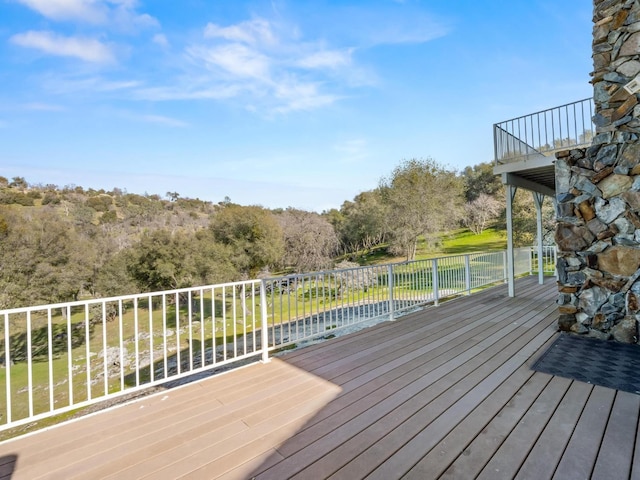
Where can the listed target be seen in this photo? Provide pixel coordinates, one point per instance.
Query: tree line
(65, 243)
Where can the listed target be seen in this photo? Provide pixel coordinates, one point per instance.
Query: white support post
(264, 324)
(538, 199)
(511, 193)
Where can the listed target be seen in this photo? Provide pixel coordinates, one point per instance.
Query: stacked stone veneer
(598, 191)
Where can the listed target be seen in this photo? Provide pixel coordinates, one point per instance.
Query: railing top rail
(132, 296)
(497, 124)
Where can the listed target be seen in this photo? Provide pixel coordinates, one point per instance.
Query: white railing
(61, 357)
(549, 260)
(544, 132)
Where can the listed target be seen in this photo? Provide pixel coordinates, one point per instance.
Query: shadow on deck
(446, 392)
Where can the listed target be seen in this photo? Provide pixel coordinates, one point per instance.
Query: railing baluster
(165, 362)
(391, 296)
(49, 358)
(136, 337)
(120, 337)
(152, 372)
(29, 364)
(87, 350)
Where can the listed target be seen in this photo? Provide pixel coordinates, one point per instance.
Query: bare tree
(310, 241)
(480, 212)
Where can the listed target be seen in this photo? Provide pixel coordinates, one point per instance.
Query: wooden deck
(443, 393)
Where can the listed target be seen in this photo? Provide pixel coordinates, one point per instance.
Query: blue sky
(276, 103)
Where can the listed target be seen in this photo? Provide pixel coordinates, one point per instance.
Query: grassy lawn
(456, 242)
(464, 241)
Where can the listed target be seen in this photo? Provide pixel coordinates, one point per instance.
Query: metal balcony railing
(60, 357)
(544, 132)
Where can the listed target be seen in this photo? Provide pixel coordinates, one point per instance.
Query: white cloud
(265, 65)
(61, 84)
(84, 10)
(120, 13)
(160, 39)
(257, 31)
(234, 58)
(327, 59)
(301, 96)
(87, 49)
(187, 92)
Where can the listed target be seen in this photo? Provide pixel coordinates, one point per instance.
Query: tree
(480, 179)
(525, 220)
(423, 199)
(19, 183)
(253, 235)
(162, 261)
(310, 242)
(364, 222)
(480, 212)
(42, 258)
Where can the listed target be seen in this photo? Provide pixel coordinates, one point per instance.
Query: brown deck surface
(442, 393)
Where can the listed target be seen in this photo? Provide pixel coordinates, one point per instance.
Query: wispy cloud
(270, 65)
(327, 59)
(265, 65)
(187, 91)
(295, 95)
(256, 31)
(119, 13)
(161, 120)
(61, 84)
(87, 49)
(235, 59)
(160, 39)
(84, 10)
(394, 24)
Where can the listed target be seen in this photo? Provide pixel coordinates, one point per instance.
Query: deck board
(616, 451)
(444, 392)
(547, 451)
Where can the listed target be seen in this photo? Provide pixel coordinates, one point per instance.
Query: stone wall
(598, 191)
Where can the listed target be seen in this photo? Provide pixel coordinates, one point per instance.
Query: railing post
(504, 266)
(390, 283)
(264, 324)
(467, 274)
(434, 282)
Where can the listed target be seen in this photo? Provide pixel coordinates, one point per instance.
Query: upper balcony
(524, 147)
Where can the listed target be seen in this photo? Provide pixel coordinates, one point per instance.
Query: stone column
(598, 190)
